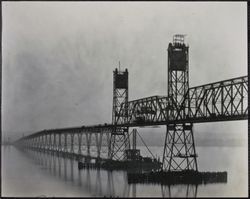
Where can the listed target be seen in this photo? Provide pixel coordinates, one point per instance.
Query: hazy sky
(58, 57)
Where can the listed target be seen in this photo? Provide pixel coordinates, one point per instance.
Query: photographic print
(124, 99)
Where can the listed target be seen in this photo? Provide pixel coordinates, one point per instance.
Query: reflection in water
(192, 190)
(171, 191)
(88, 180)
(65, 168)
(126, 187)
(133, 190)
(79, 178)
(100, 182)
(98, 185)
(110, 184)
(54, 164)
(7, 148)
(71, 170)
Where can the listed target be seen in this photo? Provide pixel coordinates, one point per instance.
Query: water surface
(29, 173)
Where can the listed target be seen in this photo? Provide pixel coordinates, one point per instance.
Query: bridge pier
(49, 142)
(42, 142)
(88, 142)
(65, 143)
(60, 143)
(46, 142)
(179, 149)
(79, 143)
(72, 143)
(119, 142)
(98, 143)
(35, 143)
(169, 191)
(54, 142)
(31, 142)
(39, 142)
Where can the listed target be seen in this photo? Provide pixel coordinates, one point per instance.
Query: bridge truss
(219, 101)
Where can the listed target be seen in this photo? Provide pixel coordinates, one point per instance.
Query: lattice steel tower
(119, 141)
(179, 149)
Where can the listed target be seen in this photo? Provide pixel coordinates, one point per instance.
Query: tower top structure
(179, 39)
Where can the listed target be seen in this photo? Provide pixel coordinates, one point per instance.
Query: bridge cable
(146, 146)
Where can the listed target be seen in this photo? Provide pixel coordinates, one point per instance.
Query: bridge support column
(79, 143)
(65, 143)
(54, 144)
(119, 142)
(50, 142)
(46, 142)
(88, 140)
(72, 143)
(31, 143)
(39, 143)
(60, 143)
(42, 142)
(98, 143)
(34, 143)
(179, 149)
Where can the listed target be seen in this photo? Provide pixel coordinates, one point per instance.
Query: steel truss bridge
(225, 100)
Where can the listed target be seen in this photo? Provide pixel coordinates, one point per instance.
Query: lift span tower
(179, 149)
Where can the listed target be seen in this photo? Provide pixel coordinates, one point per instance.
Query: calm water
(38, 174)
